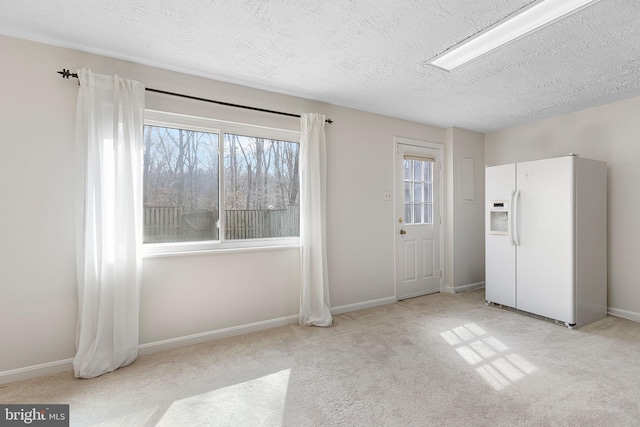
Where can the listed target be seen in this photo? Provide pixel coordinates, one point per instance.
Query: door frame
(398, 194)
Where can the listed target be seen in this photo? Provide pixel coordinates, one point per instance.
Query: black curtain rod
(66, 74)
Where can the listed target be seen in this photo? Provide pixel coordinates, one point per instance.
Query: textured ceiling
(365, 54)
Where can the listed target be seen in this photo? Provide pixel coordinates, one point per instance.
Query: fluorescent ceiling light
(529, 19)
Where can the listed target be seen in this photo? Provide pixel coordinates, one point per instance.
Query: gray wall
(465, 210)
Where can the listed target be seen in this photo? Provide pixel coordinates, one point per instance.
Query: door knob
(403, 232)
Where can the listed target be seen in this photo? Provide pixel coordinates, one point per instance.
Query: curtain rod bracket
(67, 73)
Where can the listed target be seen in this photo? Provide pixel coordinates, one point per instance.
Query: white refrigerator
(546, 238)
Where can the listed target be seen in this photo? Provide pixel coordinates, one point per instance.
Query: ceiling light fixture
(527, 20)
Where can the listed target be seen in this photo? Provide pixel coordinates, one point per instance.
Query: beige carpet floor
(437, 360)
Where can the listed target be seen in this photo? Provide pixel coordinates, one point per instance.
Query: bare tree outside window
(182, 189)
(261, 187)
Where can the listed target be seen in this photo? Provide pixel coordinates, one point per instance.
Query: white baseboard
(463, 288)
(625, 314)
(148, 348)
(362, 305)
(36, 371)
(67, 364)
(215, 335)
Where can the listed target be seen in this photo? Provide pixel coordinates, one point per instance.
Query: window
(261, 187)
(418, 190)
(214, 182)
(180, 185)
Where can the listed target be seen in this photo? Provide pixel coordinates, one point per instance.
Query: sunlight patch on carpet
(493, 360)
(260, 401)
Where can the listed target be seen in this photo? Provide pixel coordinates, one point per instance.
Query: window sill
(157, 250)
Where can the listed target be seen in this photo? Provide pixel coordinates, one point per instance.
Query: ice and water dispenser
(499, 217)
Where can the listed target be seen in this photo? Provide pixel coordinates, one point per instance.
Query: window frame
(412, 182)
(209, 125)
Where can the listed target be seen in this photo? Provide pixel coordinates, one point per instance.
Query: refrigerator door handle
(510, 219)
(516, 225)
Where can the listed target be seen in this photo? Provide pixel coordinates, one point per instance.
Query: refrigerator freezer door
(546, 229)
(500, 253)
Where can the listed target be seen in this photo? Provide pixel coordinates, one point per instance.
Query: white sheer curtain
(109, 143)
(314, 291)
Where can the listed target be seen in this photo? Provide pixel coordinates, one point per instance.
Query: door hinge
(440, 275)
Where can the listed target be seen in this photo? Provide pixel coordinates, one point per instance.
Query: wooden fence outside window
(172, 224)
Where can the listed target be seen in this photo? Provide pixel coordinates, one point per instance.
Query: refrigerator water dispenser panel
(499, 217)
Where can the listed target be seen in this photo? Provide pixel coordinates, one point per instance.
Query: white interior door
(418, 220)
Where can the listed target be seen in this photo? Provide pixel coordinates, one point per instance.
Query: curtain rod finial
(66, 74)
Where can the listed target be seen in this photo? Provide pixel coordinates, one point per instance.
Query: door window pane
(427, 171)
(408, 213)
(428, 213)
(417, 170)
(417, 209)
(427, 192)
(418, 191)
(407, 192)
